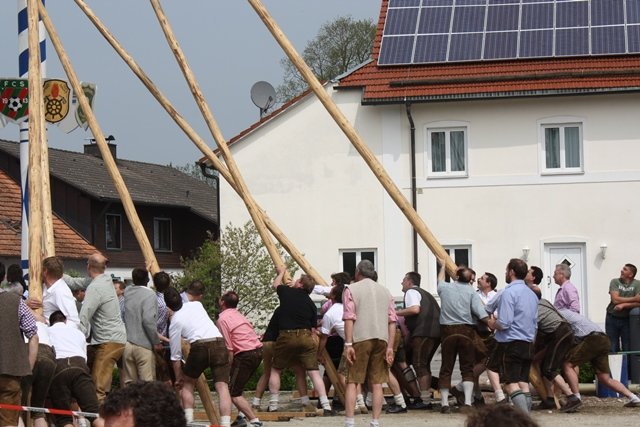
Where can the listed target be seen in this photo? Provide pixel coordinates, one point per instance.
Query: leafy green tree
(248, 270)
(238, 262)
(340, 45)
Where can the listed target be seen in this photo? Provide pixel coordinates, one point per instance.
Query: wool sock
(349, 422)
(468, 392)
(359, 400)
(225, 421)
(529, 401)
(304, 400)
(369, 399)
(188, 414)
(519, 400)
(399, 399)
(374, 423)
(324, 401)
(274, 401)
(499, 395)
(460, 386)
(634, 398)
(444, 392)
(256, 401)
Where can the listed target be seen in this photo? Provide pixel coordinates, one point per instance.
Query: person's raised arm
(280, 269)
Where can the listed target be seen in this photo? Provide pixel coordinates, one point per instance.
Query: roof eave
(494, 95)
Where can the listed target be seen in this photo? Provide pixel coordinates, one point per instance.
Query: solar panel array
(434, 31)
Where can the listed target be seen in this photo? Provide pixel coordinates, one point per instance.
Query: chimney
(93, 150)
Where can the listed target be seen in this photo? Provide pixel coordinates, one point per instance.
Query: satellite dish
(263, 96)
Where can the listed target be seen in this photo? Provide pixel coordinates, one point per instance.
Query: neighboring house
(69, 245)
(176, 210)
(532, 157)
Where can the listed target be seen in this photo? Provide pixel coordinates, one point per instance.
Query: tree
(339, 46)
(194, 171)
(238, 262)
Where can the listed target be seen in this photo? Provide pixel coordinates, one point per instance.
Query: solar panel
(432, 31)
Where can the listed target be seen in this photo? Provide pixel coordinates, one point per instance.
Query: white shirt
(59, 297)
(486, 299)
(321, 290)
(192, 323)
(43, 334)
(68, 341)
(332, 320)
(412, 298)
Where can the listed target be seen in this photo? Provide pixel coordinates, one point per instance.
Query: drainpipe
(414, 201)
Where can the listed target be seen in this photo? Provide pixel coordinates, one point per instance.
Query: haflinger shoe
(572, 405)
(396, 409)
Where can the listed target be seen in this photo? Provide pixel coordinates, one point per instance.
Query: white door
(572, 254)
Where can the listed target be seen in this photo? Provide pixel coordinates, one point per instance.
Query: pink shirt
(350, 307)
(238, 333)
(567, 297)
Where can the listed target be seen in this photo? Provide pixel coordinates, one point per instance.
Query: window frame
(106, 231)
(561, 125)
(358, 252)
(156, 246)
(447, 128)
(451, 249)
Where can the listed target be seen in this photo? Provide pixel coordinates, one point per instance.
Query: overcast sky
(226, 43)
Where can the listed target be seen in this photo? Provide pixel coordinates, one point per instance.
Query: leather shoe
(396, 409)
(419, 404)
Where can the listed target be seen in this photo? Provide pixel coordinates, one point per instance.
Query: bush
(587, 374)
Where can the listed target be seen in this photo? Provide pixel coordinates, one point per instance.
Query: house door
(572, 254)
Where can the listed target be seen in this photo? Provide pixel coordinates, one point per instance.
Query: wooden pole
(217, 134)
(47, 214)
(357, 142)
(36, 124)
(196, 139)
(112, 168)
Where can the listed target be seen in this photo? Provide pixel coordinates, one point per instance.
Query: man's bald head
(97, 263)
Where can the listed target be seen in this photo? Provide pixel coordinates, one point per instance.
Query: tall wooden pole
(196, 139)
(36, 125)
(217, 134)
(229, 160)
(357, 142)
(112, 168)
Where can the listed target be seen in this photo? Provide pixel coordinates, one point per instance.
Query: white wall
(314, 185)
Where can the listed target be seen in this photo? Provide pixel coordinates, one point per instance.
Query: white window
(113, 231)
(446, 150)
(562, 148)
(349, 258)
(162, 234)
(461, 256)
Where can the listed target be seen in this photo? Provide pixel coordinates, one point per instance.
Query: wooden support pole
(357, 142)
(112, 168)
(236, 176)
(217, 134)
(195, 138)
(36, 124)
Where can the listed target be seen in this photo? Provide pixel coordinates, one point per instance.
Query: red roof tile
(68, 243)
(491, 78)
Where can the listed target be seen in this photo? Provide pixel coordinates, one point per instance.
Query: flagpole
(23, 71)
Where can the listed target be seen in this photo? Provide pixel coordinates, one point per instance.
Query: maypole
(23, 71)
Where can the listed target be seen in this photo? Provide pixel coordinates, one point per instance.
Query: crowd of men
(89, 325)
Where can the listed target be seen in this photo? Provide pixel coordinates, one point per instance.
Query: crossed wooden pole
(230, 171)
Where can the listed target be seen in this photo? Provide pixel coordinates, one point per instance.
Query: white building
(531, 158)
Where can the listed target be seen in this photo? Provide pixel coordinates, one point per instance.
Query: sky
(227, 45)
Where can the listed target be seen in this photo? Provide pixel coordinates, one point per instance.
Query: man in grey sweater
(100, 319)
(140, 312)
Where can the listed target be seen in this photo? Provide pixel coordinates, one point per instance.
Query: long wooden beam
(353, 136)
(109, 162)
(195, 138)
(36, 133)
(217, 134)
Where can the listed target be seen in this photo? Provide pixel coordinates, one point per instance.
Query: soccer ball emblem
(15, 104)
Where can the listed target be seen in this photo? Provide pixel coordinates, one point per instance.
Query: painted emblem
(56, 95)
(14, 99)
